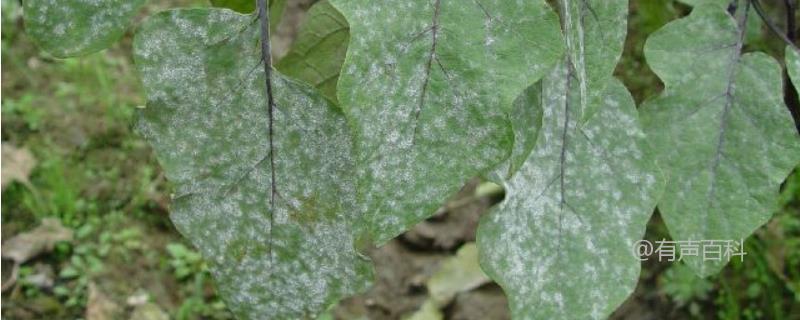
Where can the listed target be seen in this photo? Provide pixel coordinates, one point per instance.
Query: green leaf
(525, 122)
(755, 25)
(276, 8)
(69, 272)
(793, 65)
(694, 3)
(207, 121)
(177, 250)
(720, 128)
(427, 86)
(242, 6)
(575, 208)
(68, 28)
(316, 57)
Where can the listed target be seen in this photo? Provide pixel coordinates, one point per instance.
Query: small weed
(685, 288)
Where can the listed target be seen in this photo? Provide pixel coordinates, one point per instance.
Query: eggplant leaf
(276, 8)
(793, 65)
(207, 120)
(582, 197)
(574, 210)
(720, 129)
(427, 87)
(316, 57)
(68, 28)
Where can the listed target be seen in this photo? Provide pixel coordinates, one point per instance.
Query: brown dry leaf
(99, 306)
(457, 274)
(17, 165)
(43, 238)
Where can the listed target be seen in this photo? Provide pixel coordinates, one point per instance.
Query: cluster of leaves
(374, 118)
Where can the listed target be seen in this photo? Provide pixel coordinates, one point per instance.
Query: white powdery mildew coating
(721, 129)
(207, 120)
(560, 244)
(427, 86)
(75, 27)
(594, 36)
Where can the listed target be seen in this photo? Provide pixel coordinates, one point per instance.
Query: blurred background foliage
(68, 124)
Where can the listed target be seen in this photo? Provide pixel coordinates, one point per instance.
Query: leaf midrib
(266, 57)
(428, 65)
(736, 56)
(580, 64)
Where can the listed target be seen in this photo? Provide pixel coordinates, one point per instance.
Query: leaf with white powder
(560, 244)
(68, 28)
(595, 35)
(720, 128)
(574, 209)
(207, 119)
(427, 86)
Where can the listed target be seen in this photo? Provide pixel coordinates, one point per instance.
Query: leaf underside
(427, 86)
(693, 3)
(241, 6)
(276, 8)
(317, 55)
(793, 65)
(526, 120)
(207, 121)
(68, 28)
(720, 128)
